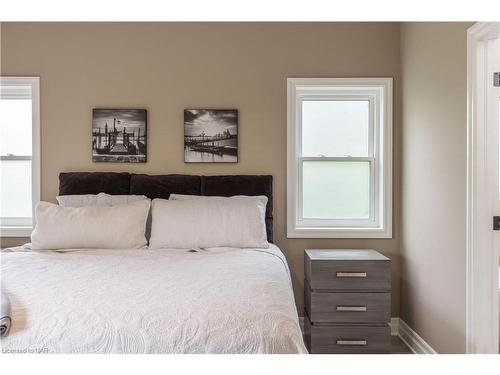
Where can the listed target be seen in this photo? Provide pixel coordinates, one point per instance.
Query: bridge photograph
(119, 135)
(211, 135)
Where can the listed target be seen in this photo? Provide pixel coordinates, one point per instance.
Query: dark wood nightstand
(347, 301)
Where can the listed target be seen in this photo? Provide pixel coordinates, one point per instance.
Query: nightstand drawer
(348, 274)
(347, 339)
(348, 307)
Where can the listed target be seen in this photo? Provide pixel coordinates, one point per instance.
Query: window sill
(339, 233)
(15, 231)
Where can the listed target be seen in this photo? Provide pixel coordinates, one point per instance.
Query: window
(339, 167)
(19, 154)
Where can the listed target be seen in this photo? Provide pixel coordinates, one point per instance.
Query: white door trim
(482, 331)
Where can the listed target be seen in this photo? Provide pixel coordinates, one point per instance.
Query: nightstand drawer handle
(352, 342)
(351, 308)
(351, 274)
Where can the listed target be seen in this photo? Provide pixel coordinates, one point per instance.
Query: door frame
(482, 328)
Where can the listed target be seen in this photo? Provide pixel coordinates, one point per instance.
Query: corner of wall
(433, 183)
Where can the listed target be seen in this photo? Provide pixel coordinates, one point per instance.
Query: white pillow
(101, 199)
(117, 227)
(180, 197)
(237, 221)
(116, 200)
(82, 200)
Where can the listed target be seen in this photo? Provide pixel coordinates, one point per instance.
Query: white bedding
(151, 301)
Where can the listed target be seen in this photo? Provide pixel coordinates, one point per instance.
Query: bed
(216, 300)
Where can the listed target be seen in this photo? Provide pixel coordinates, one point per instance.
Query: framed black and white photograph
(211, 135)
(119, 135)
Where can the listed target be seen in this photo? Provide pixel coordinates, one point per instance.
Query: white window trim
(379, 227)
(23, 230)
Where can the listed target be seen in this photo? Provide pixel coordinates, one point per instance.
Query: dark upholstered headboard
(161, 186)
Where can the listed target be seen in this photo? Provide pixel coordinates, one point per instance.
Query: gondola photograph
(119, 135)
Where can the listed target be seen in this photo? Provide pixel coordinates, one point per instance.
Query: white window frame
(378, 91)
(14, 227)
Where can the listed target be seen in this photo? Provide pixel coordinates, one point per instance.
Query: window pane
(336, 189)
(335, 128)
(15, 127)
(15, 188)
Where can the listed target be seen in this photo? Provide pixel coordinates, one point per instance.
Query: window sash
(333, 94)
(16, 157)
(372, 220)
(15, 90)
(327, 96)
(340, 97)
(16, 221)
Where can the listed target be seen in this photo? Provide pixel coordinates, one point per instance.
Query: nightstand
(347, 301)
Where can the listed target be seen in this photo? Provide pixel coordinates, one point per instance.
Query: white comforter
(151, 301)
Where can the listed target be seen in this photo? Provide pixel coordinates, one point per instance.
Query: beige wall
(168, 67)
(433, 67)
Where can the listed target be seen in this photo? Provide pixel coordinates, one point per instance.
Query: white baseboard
(411, 338)
(399, 328)
(394, 324)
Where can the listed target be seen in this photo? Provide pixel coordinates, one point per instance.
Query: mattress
(222, 300)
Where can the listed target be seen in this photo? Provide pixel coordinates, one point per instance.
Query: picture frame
(119, 135)
(211, 135)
